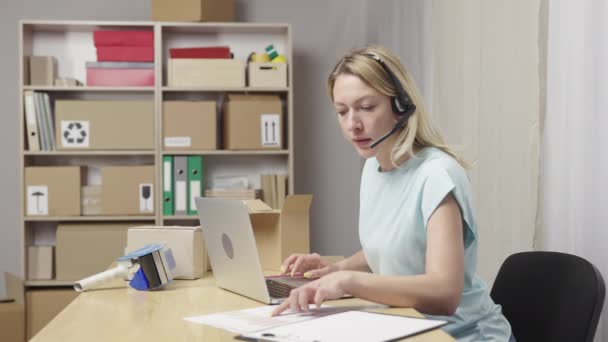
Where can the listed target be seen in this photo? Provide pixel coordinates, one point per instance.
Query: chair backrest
(550, 296)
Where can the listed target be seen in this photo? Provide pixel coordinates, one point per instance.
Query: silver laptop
(233, 254)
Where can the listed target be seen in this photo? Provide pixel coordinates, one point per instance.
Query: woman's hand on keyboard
(310, 264)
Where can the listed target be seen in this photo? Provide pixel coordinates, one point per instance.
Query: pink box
(139, 77)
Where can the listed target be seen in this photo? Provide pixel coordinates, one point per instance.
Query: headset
(401, 104)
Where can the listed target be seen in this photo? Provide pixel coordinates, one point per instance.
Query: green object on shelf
(272, 53)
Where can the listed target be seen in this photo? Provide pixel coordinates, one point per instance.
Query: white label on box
(167, 176)
(195, 191)
(37, 200)
(146, 198)
(271, 131)
(180, 196)
(178, 142)
(75, 134)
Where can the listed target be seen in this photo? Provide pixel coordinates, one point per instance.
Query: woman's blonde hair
(420, 131)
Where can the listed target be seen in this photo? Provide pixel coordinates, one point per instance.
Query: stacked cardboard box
(12, 308)
(210, 66)
(193, 10)
(253, 122)
(43, 305)
(104, 125)
(189, 125)
(124, 58)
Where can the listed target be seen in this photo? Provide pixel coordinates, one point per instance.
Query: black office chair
(550, 296)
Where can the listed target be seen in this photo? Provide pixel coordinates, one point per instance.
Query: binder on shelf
(31, 121)
(281, 190)
(195, 181)
(167, 185)
(49, 120)
(273, 192)
(265, 185)
(180, 188)
(42, 130)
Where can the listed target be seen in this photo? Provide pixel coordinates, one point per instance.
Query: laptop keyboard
(277, 289)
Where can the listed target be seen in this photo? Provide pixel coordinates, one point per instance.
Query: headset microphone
(401, 104)
(399, 125)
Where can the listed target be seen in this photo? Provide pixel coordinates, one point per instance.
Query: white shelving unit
(71, 42)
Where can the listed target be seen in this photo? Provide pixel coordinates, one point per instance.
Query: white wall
(487, 96)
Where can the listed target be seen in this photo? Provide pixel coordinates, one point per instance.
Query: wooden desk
(124, 314)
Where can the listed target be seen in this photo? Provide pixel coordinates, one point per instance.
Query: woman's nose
(354, 122)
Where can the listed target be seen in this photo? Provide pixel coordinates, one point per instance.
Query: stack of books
(39, 123)
(274, 188)
(124, 58)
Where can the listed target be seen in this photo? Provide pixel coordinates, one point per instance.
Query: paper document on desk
(354, 326)
(250, 320)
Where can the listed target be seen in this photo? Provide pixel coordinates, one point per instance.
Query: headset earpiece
(401, 104)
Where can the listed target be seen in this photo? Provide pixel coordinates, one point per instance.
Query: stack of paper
(241, 194)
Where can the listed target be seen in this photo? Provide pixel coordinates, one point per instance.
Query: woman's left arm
(438, 290)
(435, 292)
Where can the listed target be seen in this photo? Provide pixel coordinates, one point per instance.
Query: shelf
(88, 153)
(219, 28)
(181, 218)
(226, 89)
(49, 283)
(82, 25)
(90, 89)
(88, 218)
(226, 153)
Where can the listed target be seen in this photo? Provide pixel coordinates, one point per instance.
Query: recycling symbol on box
(75, 133)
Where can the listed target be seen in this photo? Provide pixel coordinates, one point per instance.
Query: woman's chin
(365, 152)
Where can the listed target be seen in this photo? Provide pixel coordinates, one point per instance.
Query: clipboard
(356, 326)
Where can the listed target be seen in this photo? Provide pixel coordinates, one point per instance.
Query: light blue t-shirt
(395, 208)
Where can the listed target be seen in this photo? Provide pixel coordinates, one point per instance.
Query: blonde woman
(416, 223)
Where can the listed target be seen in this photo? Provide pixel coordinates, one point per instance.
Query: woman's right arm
(355, 262)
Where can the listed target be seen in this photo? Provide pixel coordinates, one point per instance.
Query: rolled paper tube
(99, 279)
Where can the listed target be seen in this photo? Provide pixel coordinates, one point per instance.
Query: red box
(123, 38)
(201, 52)
(125, 54)
(120, 77)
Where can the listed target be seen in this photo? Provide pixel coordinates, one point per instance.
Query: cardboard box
(203, 72)
(193, 10)
(186, 243)
(267, 74)
(40, 262)
(104, 125)
(53, 190)
(43, 70)
(120, 77)
(91, 200)
(189, 125)
(127, 190)
(253, 122)
(280, 233)
(85, 249)
(43, 305)
(12, 309)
